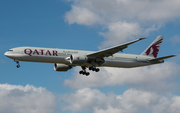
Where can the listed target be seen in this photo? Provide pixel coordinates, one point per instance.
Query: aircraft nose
(6, 54)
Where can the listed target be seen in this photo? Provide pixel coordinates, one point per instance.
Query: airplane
(65, 59)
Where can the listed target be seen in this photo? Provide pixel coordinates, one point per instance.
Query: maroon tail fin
(153, 48)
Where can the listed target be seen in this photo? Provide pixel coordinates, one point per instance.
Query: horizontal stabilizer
(161, 58)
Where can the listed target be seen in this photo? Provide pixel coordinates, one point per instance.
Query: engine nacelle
(78, 59)
(61, 67)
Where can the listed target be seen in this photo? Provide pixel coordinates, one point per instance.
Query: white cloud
(134, 18)
(82, 16)
(84, 99)
(158, 78)
(175, 105)
(131, 101)
(120, 32)
(28, 99)
(132, 10)
(121, 21)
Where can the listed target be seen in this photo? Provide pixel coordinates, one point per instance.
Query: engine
(78, 59)
(61, 67)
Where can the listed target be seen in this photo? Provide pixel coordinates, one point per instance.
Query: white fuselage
(50, 55)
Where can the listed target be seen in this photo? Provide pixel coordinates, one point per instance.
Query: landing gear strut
(17, 63)
(83, 71)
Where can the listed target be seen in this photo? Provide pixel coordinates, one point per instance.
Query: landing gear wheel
(18, 66)
(97, 69)
(80, 72)
(17, 63)
(90, 68)
(83, 71)
(87, 73)
(94, 69)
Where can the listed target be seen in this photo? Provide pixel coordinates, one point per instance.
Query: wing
(110, 51)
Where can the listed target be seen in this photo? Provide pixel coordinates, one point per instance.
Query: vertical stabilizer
(153, 48)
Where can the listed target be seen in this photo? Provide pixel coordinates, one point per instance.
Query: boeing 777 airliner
(65, 59)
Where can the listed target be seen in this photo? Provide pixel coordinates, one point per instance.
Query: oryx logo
(78, 58)
(154, 49)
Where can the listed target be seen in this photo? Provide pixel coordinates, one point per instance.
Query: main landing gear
(17, 63)
(94, 69)
(83, 71)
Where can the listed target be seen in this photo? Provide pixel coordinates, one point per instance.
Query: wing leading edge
(110, 51)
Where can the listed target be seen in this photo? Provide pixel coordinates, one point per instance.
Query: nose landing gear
(17, 63)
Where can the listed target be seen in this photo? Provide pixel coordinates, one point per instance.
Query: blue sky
(89, 25)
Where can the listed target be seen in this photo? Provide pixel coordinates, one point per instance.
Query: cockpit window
(10, 50)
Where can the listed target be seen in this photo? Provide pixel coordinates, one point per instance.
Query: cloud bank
(131, 101)
(123, 20)
(159, 77)
(26, 99)
(150, 89)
